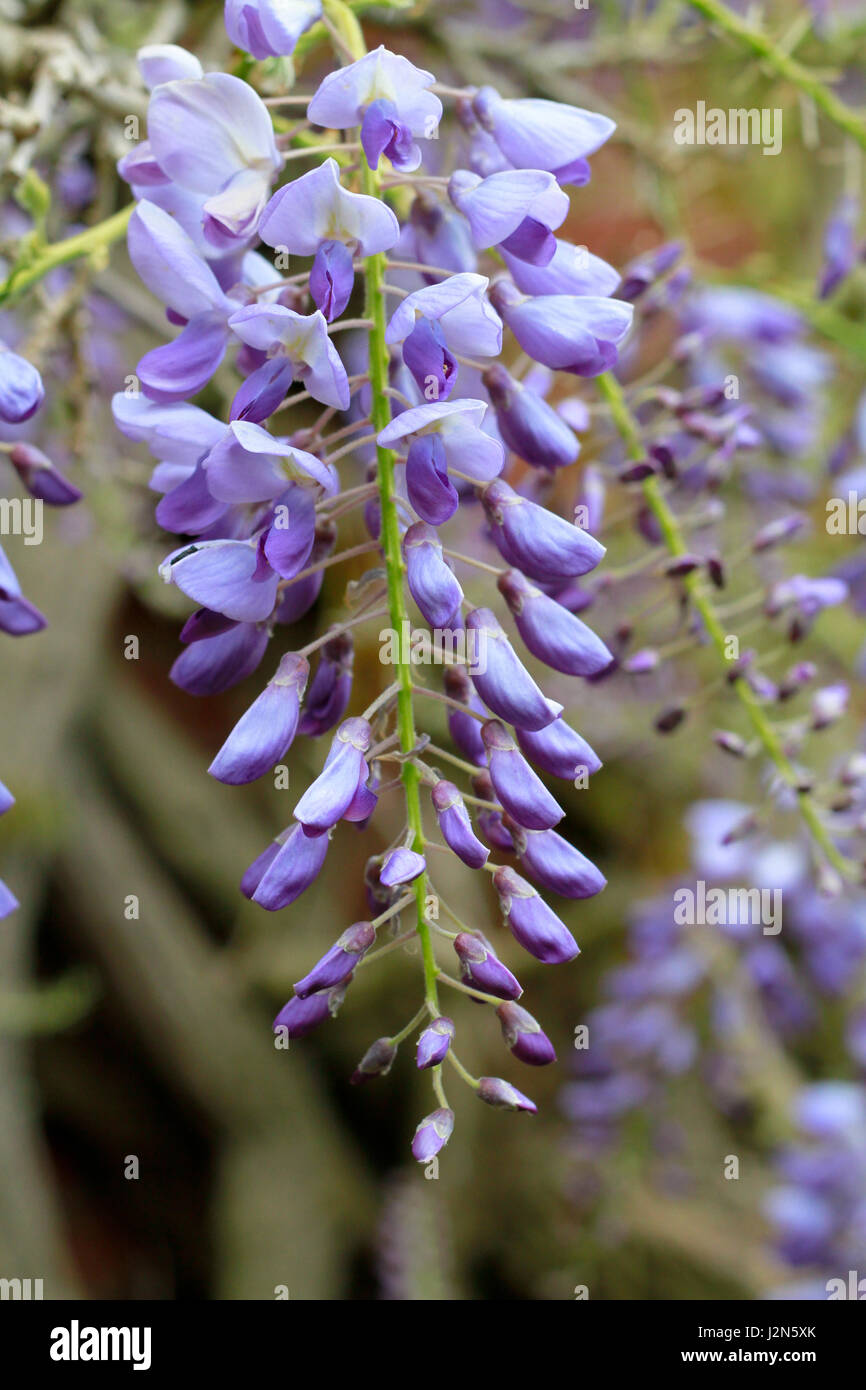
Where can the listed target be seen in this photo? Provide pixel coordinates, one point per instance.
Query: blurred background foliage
(151, 1037)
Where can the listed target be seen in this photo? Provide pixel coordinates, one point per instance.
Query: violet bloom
(569, 333)
(470, 326)
(540, 543)
(330, 687)
(21, 389)
(401, 866)
(457, 427)
(537, 134)
(517, 209)
(18, 616)
(432, 1134)
(480, 967)
(303, 340)
(523, 1035)
(571, 270)
(494, 1091)
(40, 477)
(559, 750)
(213, 138)
(434, 1042)
(269, 28)
(432, 583)
(533, 924)
(555, 636)
(463, 728)
(383, 133)
(315, 208)
(337, 965)
(301, 1016)
(263, 735)
(455, 825)
(339, 791)
(527, 423)
(503, 683)
(557, 865)
(332, 279)
(840, 246)
(344, 97)
(216, 660)
(520, 790)
(289, 872)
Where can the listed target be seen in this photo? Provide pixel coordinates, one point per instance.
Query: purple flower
(434, 1042)
(330, 687)
(479, 966)
(521, 792)
(335, 792)
(559, 750)
(431, 492)
(540, 543)
(345, 95)
(536, 134)
(523, 1035)
(21, 389)
(269, 28)
(315, 208)
(456, 827)
(432, 1134)
(216, 660)
(432, 583)
(291, 870)
(571, 270)
(531, 922)
(569, 333)
(248, 464)
(382, 132)
(504, 684)
(337, 965)
(263, 735)
(18, 616)
(438, 236)
(555, 636)
(401, 866)
(494, 1091)
(332, 278)
(557, 865)
(528, 424)
(470, 326)
(840, 246)
(229, 577)
(301, 1016)
(303, 339)
(226, 154)
(457, 426)
(432, 366)
(517, 208)
(465, 731)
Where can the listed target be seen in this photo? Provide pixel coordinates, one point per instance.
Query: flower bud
(434, 1042)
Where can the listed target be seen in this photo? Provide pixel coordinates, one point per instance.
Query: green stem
(94, 239)
(380, 414)
(763, 47)
(627, 428)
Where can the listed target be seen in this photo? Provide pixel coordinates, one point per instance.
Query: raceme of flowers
(21, 395)
(431, 419)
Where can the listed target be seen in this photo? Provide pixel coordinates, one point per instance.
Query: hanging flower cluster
(431, 423)
(21, 395)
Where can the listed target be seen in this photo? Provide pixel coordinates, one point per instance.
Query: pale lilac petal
(227, 576)
(316, 208)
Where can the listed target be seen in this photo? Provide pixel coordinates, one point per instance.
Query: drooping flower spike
(254, 501)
